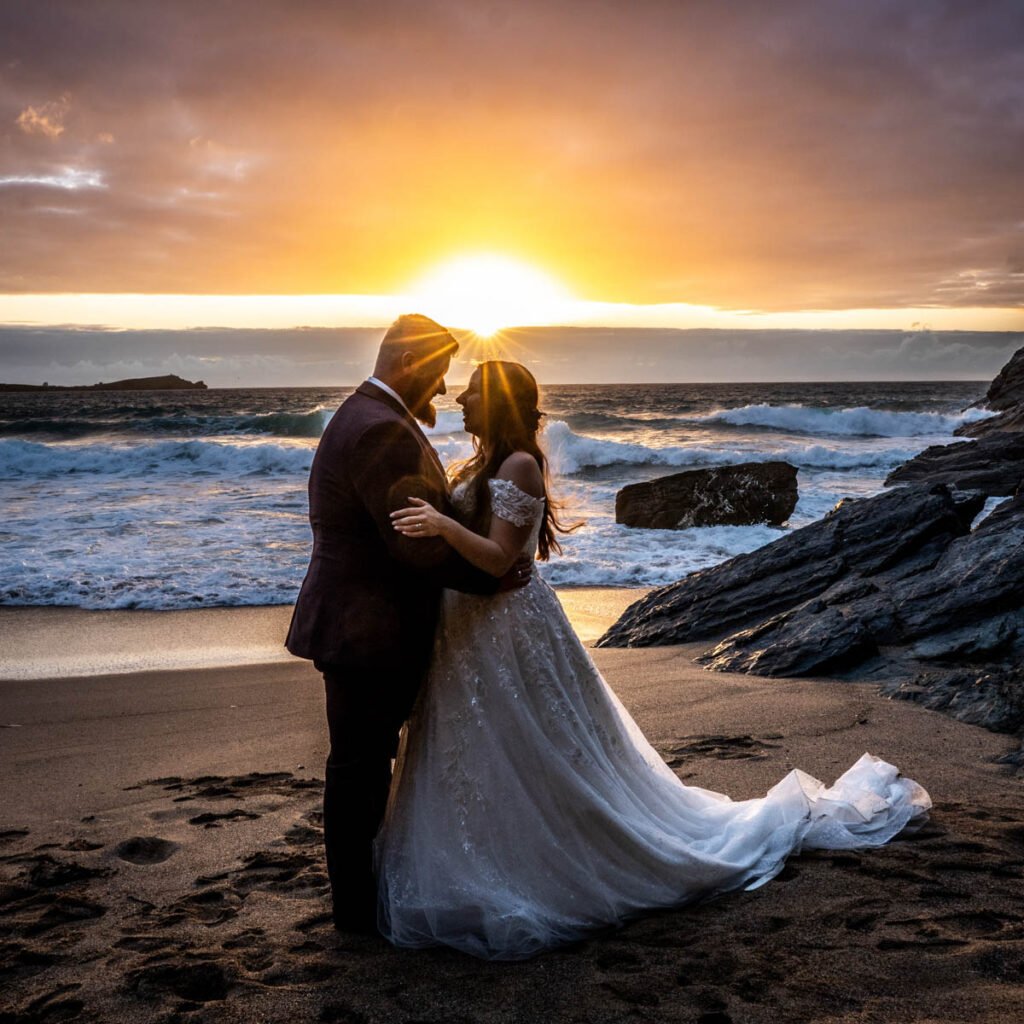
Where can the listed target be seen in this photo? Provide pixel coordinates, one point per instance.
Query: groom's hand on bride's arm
(494, 554)
(421, 519)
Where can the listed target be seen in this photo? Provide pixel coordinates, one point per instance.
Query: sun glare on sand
(484, 293)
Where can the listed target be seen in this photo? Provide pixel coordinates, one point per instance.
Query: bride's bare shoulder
(521, 469)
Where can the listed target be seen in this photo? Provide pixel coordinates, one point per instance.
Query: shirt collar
(376, 382)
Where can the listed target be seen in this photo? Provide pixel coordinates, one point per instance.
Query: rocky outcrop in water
(741, 495)
(964, 606)
(1007, 388)
(909, 527)
(169, 382)
(993, 464)
(1005, 396)
(1011, 420)
(895, 587)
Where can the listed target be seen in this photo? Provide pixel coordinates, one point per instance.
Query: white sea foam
(449, 421)
(570, 453)
(205, 504)
(155, 541)
(164, 458)
(605, 554)
(861, 421)
(991, 504)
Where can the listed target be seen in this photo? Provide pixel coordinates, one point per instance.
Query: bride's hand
(420, 520)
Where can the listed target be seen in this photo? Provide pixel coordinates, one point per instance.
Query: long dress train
(528, 809)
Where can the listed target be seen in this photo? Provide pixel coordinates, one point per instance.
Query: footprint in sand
(81, 846)
(957, 929)
(145, 850)
(196, 980)
(61, 909)
(728, 748)
(53, 1006)
(212, 819)
(210, 907)
(47, 873)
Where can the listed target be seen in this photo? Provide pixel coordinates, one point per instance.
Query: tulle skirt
(528, 809)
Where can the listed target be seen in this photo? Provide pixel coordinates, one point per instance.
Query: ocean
(170, 500)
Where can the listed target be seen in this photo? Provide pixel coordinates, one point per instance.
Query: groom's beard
(425, 412)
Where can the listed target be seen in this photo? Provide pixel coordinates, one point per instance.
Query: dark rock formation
(1007, 389)
(991, 696)
(1005, 396)
(169, 382)
(753, 492)
(906, 529)
(895, 587)
(966, 607)
(1011, 420)
(993, 464)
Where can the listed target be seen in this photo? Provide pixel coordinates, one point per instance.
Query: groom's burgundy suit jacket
(370, 597)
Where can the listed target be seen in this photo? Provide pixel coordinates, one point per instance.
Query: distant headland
(169, 382)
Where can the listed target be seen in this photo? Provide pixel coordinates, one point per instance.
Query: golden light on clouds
(46, 119)
(121, 312)
(671, 163)
(485, 292)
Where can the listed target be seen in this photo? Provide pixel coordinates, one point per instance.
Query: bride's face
(472, 402)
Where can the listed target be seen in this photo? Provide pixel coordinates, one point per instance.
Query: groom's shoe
(357, 916)
(356, 924)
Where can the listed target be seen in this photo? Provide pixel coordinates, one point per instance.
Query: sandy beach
(161, 857)
(720, 305)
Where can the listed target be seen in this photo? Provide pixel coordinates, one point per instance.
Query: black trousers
(365, 711)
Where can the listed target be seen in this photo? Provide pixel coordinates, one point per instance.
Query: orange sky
(785, 157)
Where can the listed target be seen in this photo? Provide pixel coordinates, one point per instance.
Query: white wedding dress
(528, 809)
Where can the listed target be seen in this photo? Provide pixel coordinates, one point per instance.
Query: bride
(527, 807)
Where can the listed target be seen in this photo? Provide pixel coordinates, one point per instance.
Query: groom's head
(413, 359)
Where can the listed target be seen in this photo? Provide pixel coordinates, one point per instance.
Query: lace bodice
(508, 502)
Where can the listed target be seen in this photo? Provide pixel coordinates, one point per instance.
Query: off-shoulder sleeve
(513, 504)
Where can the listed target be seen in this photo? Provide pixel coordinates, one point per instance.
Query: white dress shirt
(389, 390)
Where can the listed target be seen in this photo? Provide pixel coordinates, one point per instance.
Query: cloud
(796, 155)
(47, 119)
(68, 178)
(319, 356)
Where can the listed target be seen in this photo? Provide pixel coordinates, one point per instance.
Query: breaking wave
(163, 458)
(571, 453)
(861, 421)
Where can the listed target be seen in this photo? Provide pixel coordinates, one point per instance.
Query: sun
(484, 293)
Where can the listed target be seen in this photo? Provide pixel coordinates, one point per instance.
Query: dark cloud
(320, 356)
(818, 154)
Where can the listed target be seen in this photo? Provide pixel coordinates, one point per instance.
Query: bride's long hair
(510, 423)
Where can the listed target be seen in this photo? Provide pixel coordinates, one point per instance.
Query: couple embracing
(526, 809)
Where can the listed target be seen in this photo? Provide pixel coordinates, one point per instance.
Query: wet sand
(160, 858)
(47, 643)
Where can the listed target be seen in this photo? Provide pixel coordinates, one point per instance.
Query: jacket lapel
(372, 391)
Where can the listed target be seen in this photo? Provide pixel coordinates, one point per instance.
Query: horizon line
(179, 311)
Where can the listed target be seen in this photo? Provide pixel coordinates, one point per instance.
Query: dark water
(186, 499)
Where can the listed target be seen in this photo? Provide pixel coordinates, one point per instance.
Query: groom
(368, 606)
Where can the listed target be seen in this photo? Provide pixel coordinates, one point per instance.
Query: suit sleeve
(387, 468)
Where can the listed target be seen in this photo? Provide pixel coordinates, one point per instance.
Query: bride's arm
(496, 552)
